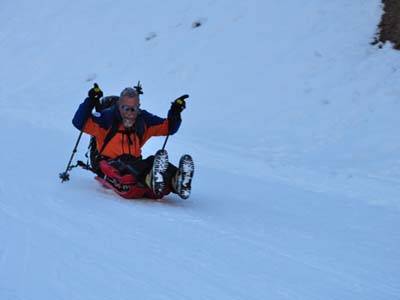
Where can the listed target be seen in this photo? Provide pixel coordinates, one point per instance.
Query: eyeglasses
(127, 108)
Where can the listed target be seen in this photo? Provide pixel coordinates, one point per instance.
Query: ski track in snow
(213, 243)
(207, 229)
(349, 183)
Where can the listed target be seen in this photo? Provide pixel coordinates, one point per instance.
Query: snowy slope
(292, 122)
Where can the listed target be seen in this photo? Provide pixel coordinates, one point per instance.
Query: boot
(182, 180)
(155, 178)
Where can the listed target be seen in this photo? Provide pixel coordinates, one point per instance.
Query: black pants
(138, 167)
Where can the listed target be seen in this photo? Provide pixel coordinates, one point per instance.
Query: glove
(94, 94)
(179, 104)
(174, 114)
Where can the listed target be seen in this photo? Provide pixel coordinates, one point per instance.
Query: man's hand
(94, 94)
(179, 104)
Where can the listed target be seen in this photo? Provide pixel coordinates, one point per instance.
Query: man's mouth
(128, 121)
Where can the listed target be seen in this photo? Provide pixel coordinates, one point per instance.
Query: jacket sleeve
(155, 126)
(174, 121)
(82, 114)
(92, 124)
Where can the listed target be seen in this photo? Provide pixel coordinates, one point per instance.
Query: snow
(292, 122)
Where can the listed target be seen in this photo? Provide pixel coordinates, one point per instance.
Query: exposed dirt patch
(389, 27)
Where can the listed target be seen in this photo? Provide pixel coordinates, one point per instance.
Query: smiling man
(129, 109)
(120, 133)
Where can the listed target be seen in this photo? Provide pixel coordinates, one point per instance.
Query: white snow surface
(292, 120)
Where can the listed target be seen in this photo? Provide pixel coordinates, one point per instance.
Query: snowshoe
(184, 176)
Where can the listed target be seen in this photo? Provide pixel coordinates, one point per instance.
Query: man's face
(129, 109)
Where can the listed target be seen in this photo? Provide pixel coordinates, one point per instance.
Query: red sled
(125, 185)
(133, 192)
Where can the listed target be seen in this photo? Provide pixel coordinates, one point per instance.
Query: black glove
(179, 104)
(94, 94)
(174, 114)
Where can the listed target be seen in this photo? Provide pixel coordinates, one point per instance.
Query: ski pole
(95, 93)
(65, 176)
(165, 142)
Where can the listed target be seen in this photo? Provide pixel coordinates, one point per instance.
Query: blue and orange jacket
(124, 141)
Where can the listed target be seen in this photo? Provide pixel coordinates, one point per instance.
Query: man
(120, 133)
